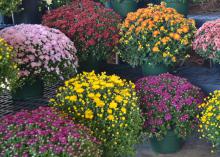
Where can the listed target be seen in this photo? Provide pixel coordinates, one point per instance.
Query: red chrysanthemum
(91, 26)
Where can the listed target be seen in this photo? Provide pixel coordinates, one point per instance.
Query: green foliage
(9, 6)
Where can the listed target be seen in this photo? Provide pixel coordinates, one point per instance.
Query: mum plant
(7, 7)
(41, 52)
(42, 132)
(168, 102)
(8, 68)
(207, 41)
(210, 119)
(91, 26)
(105, 104)
(156, 35)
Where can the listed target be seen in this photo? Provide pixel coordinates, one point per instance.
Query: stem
(13, 18)
(116, 58)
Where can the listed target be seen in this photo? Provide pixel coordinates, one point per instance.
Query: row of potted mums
(108, 113)
(104, 115)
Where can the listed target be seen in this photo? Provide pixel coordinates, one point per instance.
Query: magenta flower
(33, 132)
(168, 102)
(168, 117)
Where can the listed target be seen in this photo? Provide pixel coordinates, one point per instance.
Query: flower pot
(30, 13)
(107, 4)
(29, 90)
(123, 7)
(180, 5)
(90, 64)
(170, 144)
(154, 69)
(5, 20)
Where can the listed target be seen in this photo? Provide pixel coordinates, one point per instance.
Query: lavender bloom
(41, 50)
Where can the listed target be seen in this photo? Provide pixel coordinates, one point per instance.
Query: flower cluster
(8, 69)
(9, 6)
(107, 105)
(210, 119)
(42, 132)
(157, 35)
(168, 102)
(92, 27)
(207, 41)
(41, 52)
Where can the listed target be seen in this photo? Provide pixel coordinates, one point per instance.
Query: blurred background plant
(205, 5)
(53, 4)
(7, 7)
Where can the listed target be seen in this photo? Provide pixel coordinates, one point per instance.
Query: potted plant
(155, 38)
(91, 26)
(206, 43)
(210, 119)
(170, 105)
(105, 104)
(44, 56)
(29, 14)
(8, 68)
(43, 132)
(8, 8)
(21, 11)
(181, 6)
(123, 7)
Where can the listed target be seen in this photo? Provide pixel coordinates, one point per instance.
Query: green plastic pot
(123, 7)
(29, 90)
(107, 4)
(170, 144)
(149, 69)
(180, 5)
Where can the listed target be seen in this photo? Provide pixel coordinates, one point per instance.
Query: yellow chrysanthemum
(89, 114)
(113, 105)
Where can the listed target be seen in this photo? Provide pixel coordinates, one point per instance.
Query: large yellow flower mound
(210, 119)
(107, 105)
(157, 35)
